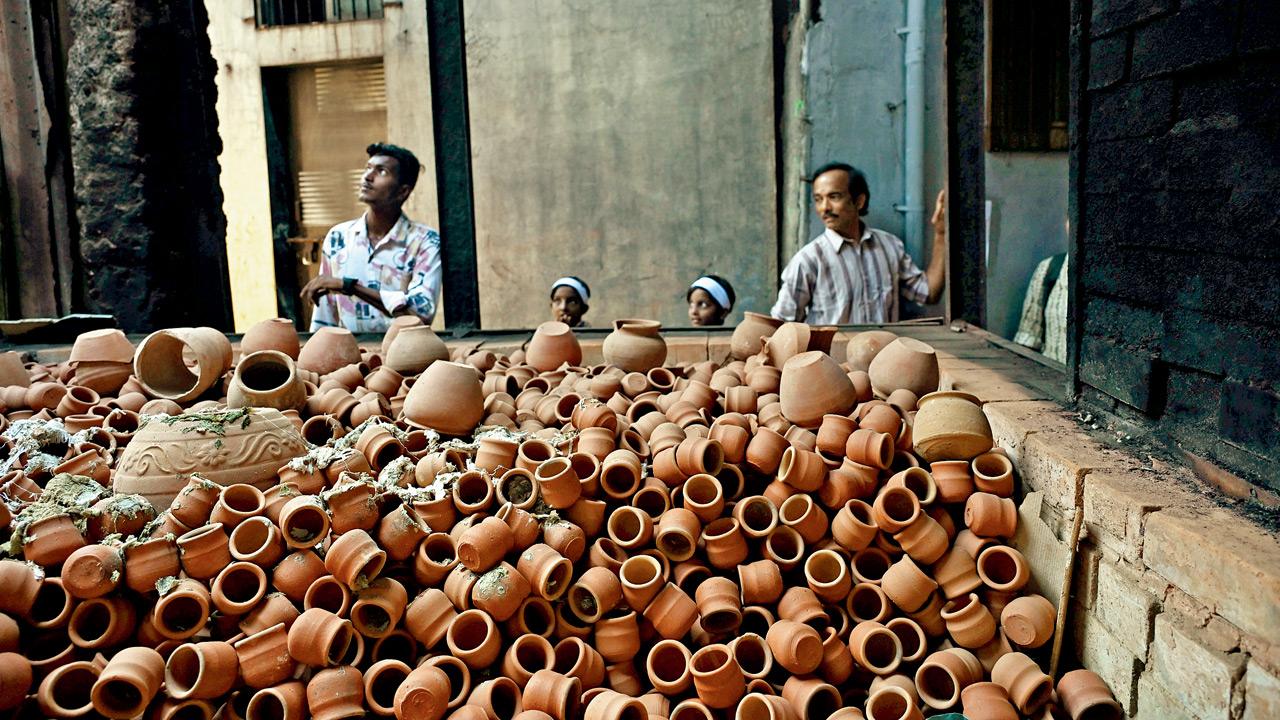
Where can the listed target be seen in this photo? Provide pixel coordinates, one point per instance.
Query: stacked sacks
(680, 543)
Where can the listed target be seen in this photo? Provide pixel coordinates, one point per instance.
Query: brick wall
(1180, 238)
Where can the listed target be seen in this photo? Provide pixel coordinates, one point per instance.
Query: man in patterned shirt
(381, 264)
(852, 273)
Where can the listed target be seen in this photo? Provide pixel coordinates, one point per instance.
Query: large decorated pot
(247, 445)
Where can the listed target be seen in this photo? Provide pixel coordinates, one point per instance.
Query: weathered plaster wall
(242, 50)
(629, 143)
(145, 142)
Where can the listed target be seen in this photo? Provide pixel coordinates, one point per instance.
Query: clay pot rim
(942, 394)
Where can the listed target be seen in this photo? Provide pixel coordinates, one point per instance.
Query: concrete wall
(1028, 195)
(631, 144)
(242, 50)
(855, 77)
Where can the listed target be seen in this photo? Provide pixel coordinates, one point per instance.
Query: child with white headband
(569, 296)
(710, 299)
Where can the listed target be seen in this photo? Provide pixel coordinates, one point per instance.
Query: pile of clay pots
(777, 537)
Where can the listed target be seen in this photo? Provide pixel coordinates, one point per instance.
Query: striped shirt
(835, 280)
(404, 267)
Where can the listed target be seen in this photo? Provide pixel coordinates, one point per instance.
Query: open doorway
(319, 120)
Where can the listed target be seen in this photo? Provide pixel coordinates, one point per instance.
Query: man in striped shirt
(852, 273)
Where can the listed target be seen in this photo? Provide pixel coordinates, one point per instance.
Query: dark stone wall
(140, 81)
(1179, 175)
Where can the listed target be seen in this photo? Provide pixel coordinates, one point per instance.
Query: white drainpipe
(913, 151)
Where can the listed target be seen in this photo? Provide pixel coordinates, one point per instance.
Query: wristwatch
(348, 286)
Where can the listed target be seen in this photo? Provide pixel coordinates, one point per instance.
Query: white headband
(574, 283)
(715, 289)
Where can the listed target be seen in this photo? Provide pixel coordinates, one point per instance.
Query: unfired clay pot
(635, 345)
(813, 385)
(252, 447)
(414, 349)
(904, 363)
(950, 426)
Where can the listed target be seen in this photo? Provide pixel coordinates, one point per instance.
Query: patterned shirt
(835, 280)
(404, 267)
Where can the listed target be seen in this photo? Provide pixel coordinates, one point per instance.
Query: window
(1027, 65)
(302, 12)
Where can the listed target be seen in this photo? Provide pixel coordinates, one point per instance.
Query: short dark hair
(857, 181)
(406, 161)
(728, 290)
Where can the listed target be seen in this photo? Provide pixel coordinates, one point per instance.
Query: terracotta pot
(667, 667)
(944, 675)
(355, 558)
(553, 693)
(1084, 694)
(100, 623)
(238, 588)
(484, 544)
(428, 617)
(253, 446)
(748, 336)
(895, 509)
(868, 602)
(904, 363)
(160, 368)
(925, 540)
(811, 698)
(328, 349)
(795, 646)
(278, 334)
(672, 612)
(526, 655)
(145, 563)
(378, 608)
(954, 481)
(864, 346)
(202, 671)
(969, 622)
(875, 647)
(719, 605)
(595, 593)
(414, 349)
(500, 591)
(907, 585)
(336, 694)
(63, 693)
(617, 637)
(987, 701)
(237, 503)
(398, 323)
(635, 345)
(266, 378)
(446, 398)
(853, 527)
(473, 638)
(128, 683)
(892, 703)
(993, 473)
(566, 538)
(1028, 686)
(764, 452)
(92, 571)
(576, 658)
(553, 344)
(547, 571)
(725, 545)
(717, 678)
(950, 426)
(761, 582)
(812, 386)
(51, 540)
(205, 551)
(1003, 569)
(956, 573)
(304, 521)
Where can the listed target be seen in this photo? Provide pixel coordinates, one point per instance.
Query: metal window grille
(301, 12)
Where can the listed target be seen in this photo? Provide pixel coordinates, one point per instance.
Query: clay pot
(717, 678)
(1003, 569)
(547, 571)
(473, 638)
(355, 558)
(764, 452)
(328, 349)
(954, 481)
(811, 698)
(553, 693)
(414, 349)
(987, 701)
(748, 337)
(907, 585)
(526, 655)
(500, 591)
(446, 398)
(990, 516)
(201, 671)
(238, 588)
(336, 694)
(795, 646)
(672, 612)
(278, 334)
(864, 346)
(993, 473)
(484, 544)
(892, 703)
(875, 647)
(950, 426)
(956, 573)
(205, 551)
(969, 622)
(63, 693)
(378, 607)
(630, 528)
(667, 667)
(813, 385)
(1084, 694)
(904, 363)
(266, 378)
(1028, 621)
(853, 528)
(725, 545)
(160, 367)
(944, 675)
(253, 446)
(827, 575)
(128, 683)
(398, 323)
(100, 623)
(635, 345)
(761, 582)
(925, 540)
(895, 509)
(1028, 686)
(553, 344)
(50, 540)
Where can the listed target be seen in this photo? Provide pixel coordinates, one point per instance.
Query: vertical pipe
(913, 154)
